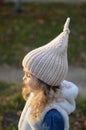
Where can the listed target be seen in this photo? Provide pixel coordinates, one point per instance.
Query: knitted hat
(49, 62)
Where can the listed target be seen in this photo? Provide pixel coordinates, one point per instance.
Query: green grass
(38, 24)
(12, 103)
(78, 118)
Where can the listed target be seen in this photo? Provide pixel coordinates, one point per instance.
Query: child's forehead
(26, 70)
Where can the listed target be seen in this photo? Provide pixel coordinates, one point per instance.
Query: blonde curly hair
(45, 96)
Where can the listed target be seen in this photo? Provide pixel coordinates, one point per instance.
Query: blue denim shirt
(53, 120)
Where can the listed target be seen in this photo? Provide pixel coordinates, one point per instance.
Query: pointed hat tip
(66, 25)
(67, 22)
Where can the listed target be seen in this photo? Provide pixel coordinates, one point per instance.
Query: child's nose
(24, 77)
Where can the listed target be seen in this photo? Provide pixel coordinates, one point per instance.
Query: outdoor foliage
(12, 103)
(38, 24)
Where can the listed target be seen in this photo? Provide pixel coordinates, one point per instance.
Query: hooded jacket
(65, 107)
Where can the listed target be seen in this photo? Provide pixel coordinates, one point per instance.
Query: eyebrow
(26, 71)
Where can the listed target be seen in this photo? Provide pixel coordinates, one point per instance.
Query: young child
(49, 98)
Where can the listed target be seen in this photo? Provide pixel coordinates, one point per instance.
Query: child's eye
(28, 75)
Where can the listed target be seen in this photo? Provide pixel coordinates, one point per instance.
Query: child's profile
(49, 97)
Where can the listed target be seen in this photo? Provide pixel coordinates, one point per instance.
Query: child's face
(31, 82)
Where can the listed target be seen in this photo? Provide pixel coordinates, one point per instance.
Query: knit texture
(49, 62)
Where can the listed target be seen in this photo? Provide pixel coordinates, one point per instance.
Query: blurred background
(25, 25)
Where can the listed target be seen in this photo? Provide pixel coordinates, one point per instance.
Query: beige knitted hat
(49, 62)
